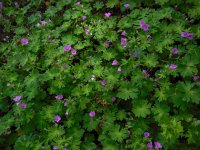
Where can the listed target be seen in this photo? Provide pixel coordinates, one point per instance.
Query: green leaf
(141, 108)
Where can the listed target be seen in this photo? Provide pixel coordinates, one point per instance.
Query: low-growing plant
(99, 74)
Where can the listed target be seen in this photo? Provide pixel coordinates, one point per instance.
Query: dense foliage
(99, 74)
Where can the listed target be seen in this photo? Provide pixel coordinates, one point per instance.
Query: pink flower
(173, 66)
(175, 51)
(150, 145)
(59, 97)
(92, 114)
(103, 82)
(57, 118)
(123, 41)
(73, 52)
(107, 43)
(157, 145)
(78, 3)
(87, 31)
(123, 33)
(146, 134)
(114, 63)
(144, 26)
(84, 17)
(17, 98)
(24, 41)
(65, 103)
(67, 48)
(43, 22)
(23, 105)
(108, 14)
(126, 5)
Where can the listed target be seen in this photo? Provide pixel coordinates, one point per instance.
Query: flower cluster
(187, 35)
(68, 47)
(144, 26)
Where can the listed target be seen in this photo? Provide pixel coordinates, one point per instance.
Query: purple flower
(146, 74)
(92, 114)
(23, 105)
(135, 55)
(146, 134)
(54, 148)
(17, 98)
(1, 5)
(108, 14)
(87, 31)
(59, 97)
(144, 26)
(24, 41)
(114, 63)
(84, 17)
(43, 22)
(173, 66)
(103, 82)
(190, 36)
(175, 51)
(65, 149)
(65, 103)
(150, 145)
(113, 98)
(123, 33)
(123, 41)
(57, 118)
(107, 43)
(196, 77)
(67, 48)
(184, 34)
(126, 5)
(119, 69)
(73, 52)
(187, 35)
(157, 145)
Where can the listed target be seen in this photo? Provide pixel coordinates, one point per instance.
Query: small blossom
(146, 134)
(17, 98)
(8, 84)
(108, 14)
(65, 149)
(184, 34)
(103, 82)
(23, 105)
(67, 48)
(1, 5)
(135, 55)
(123, 41)
(119, 69)
(175, 51)
(78, 3)
(144, 26)
(113, 98)
(196, 78)
(84, 17)
(173, 66)
(54, 148)
(24, 41)
(146, 74)
(114, 63)
(93, 77)
(123, 33)
(87, 31)
(65, 103)
(150, 145)
(190, 36)
(59, 97)
(73, 52)
(57, 118)
(92, 114)
(107, 43)
(157, 145)
(126, 5)
(43, 22)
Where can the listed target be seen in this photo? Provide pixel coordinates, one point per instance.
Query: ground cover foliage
(99, 74)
